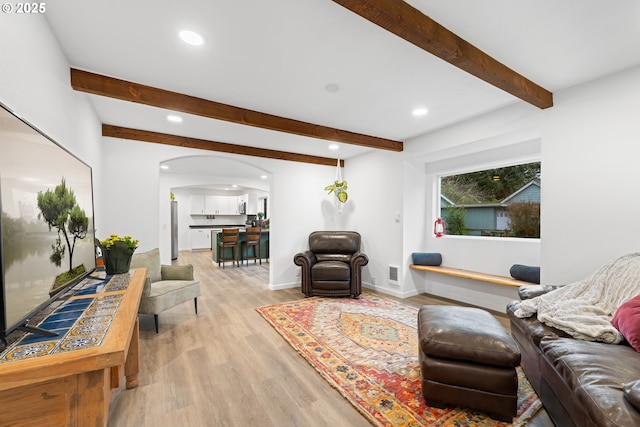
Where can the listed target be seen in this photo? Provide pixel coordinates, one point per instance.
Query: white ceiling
(278, 56)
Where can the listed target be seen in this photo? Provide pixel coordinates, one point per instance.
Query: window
(501, 202)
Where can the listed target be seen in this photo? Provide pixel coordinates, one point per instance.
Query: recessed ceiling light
(164, 167)
(191, 37)
(175, 119)
(332, 88)
(334, 147)
(263, 176)
(421, 111)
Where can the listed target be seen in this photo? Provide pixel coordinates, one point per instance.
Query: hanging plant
(339, 188)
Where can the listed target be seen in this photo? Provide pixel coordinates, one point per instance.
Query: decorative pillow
(177, 272)
(632, 393)
(627, 321)
(426, 258)
(527, 273)
(150, 260)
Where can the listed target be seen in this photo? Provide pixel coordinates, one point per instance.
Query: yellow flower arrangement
(112, 239)
(117, 252)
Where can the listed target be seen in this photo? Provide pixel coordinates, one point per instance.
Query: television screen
(47, 220)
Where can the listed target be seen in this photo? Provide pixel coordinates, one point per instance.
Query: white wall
(299, 205)
(591, 152)
(35, 84)
(130, 194)
(375, 210)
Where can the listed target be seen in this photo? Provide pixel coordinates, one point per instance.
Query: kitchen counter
(200, 234)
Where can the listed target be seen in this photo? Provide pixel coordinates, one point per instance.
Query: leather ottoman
(467, 359)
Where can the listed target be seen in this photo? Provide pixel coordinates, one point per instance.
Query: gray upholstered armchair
(166, 285)
(333, 264)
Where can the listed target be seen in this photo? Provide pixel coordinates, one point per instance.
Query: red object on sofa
(627, 321)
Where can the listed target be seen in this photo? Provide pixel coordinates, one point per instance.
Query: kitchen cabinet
(200, 239)
(232, 205)
(197, 204)
(214, 205)
(211, 205)
(252, 204)
(226, 205)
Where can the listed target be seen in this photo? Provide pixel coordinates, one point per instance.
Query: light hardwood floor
(227, 366)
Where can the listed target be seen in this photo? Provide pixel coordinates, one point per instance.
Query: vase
(117, 258)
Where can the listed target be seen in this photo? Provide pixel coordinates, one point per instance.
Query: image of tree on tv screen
(59, 209)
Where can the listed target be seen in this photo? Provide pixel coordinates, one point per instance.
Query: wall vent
(393, 274)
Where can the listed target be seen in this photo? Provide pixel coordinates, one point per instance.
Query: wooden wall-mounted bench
(474, 275)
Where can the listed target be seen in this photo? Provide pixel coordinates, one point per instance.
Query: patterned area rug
(368, 350)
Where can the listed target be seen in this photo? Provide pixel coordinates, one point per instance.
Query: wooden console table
(73, 388)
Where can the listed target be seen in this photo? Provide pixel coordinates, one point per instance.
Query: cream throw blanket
(584, 309)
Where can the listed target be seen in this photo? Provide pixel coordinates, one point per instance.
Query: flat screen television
(46, 198)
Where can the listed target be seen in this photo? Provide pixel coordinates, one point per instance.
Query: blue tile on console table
(35, 338)
(58, 324)
(64, 315)
(79, 304)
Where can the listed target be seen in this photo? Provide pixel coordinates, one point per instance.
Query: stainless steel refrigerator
(174, 230)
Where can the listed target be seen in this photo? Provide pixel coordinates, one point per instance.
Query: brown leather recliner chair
(333, 264)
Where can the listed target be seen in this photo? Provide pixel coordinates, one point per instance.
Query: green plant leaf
(339, 188)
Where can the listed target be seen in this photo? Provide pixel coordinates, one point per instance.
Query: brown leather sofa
(580, 383)
(333, 264)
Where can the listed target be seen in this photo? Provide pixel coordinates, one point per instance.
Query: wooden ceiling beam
(97, 84)
(204, 144)
(407, 22)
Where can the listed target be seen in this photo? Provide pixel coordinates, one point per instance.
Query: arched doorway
(192, 178)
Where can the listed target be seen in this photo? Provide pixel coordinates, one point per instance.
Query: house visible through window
(501, 202)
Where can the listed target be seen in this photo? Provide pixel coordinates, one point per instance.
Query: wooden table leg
(132, 364)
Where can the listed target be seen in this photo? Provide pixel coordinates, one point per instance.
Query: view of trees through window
(501, 202)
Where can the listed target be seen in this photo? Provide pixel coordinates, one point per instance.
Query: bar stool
(229, 239)
(253, 235)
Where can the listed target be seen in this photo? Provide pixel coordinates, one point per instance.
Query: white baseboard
(281, 286)
(392, 292)
(365, 285)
